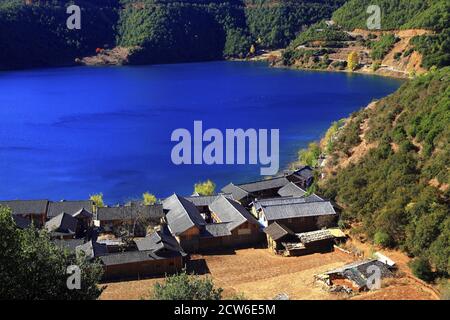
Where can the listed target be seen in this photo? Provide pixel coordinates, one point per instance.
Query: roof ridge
(261, 180)
(182, 205)
(298, 203)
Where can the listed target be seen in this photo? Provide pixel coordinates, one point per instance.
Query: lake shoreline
(136, 119)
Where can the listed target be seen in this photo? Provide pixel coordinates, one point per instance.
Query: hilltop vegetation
(274, 24)
(396, 14)
(399, 189)
(158, 31)
(36, 35)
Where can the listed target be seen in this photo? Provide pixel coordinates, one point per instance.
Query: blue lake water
(70, 132)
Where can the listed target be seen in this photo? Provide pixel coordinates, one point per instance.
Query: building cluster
(137, 240)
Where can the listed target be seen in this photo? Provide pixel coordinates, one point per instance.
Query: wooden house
(230, 224)
(140, 264)
(282, 240)
(247, 192)
(33, 210)
(277, 234)
(157, 254)
(303, 177)
(184, 221)
(298, 214)
(133, 218)
(203, 202)
(63, 226)
(242, 226)
(82, 210)
(355, 275)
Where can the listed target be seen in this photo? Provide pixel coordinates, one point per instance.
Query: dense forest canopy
(160, 30)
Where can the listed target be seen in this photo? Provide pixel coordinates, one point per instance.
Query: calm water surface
(67, 133)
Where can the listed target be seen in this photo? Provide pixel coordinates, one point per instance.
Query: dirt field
(258, 274)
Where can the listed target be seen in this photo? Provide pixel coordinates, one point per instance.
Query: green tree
(382, 239)
(98, 199)
(310, 156)
(148, 198)
(421, 268)
(206, 188)
(352, 61)
(183, 286)
(34, 268)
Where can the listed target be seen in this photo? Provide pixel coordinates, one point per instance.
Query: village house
(157, 254)
(33, 210)
(82, 210)
(247, 192)
(303, 177)
(134, 219)
(161, 241)
(298, 214)
(71, 207)
(355, 276)
(202, 203)
(230, 224)
(282, 240)
(242, 226)
(63, 226)
(184, 221)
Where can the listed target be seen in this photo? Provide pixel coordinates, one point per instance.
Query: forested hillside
(388, 167)
(275, 23)
(396, 14)
(34, 33)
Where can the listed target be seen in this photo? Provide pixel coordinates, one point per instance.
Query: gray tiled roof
(291, 190)
(237, 192)
(313, 236)
(62, 223)
(306, 172)
(230, 211)
(23, 207)
(133, 257)
(359, 271)
(70, 207)
(259, 204)
(273, 183)
(313, 198)
(92, 249)
(83, 213)
(216, 230)
(306, 209)
(158, 240)
(181, 214)
(21, 222)
(277, 231)
(130, 212)
(206, 200)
